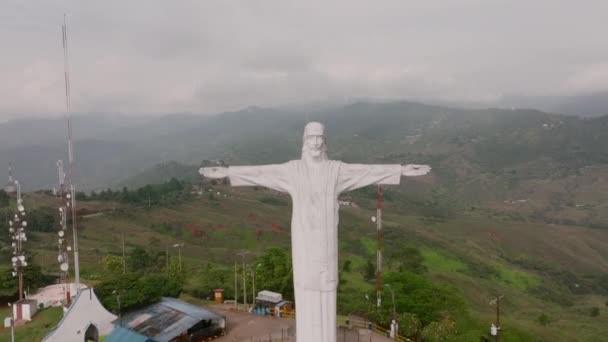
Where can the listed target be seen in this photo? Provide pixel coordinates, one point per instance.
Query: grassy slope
(453, 251)
(43, 321)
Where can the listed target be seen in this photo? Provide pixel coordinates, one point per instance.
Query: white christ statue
(314, 184)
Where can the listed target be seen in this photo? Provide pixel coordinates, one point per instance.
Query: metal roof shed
(171, 318)
(121, 334)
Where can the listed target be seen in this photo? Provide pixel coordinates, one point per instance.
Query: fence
(348, 329)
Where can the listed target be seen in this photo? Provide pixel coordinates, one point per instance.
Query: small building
(218, 296)
(174, 320)
(272, 303)
(25, 309)
(265, 298)
(85, 320)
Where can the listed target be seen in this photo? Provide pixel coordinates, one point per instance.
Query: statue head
(314, 146)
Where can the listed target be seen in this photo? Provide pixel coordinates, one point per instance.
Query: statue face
(315, 144)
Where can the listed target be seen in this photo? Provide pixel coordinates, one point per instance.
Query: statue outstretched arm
(414, 170)
(355, 176)
(213, 172)
(274, 176)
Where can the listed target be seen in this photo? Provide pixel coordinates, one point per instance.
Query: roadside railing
(343, 322)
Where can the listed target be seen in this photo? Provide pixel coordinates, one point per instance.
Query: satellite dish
(10, 222)
(67, 196)
(24, 223)
(14, 274)
(13, 244)
(20, 207)
(14, 259)
(60, 258)
(23, 213)
(61, 233)
(21, 257)
(11, 230)
(64, 266)
(69, 248)
(60, 210)
(373, 218)
(24, 263)
(60, 241)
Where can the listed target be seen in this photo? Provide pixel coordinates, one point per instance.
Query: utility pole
(179, 251)
(498, 319)
(167, 257)
(236, 292)
(379, 238)
(253, 285)
(242, 254)
(495, 329)
(124, 258)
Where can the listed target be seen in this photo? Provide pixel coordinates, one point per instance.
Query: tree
(4, 199)
(417, 295)
(213, 278)
(595, 311)
(370, 270)
(135, 290)
(176, 271)
(274, 272)
(43, 219)
(33, 278)
(138, 260)
(543, 319)
(112, 264)
(410, 325)
(411, 260)
(346, 266)
(439, 331)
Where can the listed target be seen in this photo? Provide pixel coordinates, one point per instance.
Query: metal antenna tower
(62, 256)
(16, 228)
(72, 194)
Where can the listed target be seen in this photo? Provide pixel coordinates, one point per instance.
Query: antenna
(17, 225)
(10, 173)
(62, 257)
(72, 194)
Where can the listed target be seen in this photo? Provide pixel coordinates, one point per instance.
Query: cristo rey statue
(314, 183)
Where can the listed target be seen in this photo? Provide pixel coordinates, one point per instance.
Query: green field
(44, 321)
(478, 257)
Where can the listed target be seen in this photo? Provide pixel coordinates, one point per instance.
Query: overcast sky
(204, 56)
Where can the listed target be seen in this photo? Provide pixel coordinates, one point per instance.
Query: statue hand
(413, 170)
(214, 172)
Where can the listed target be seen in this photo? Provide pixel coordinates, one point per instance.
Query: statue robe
(314, 190)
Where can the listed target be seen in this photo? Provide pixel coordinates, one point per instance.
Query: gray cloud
(206, 56)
